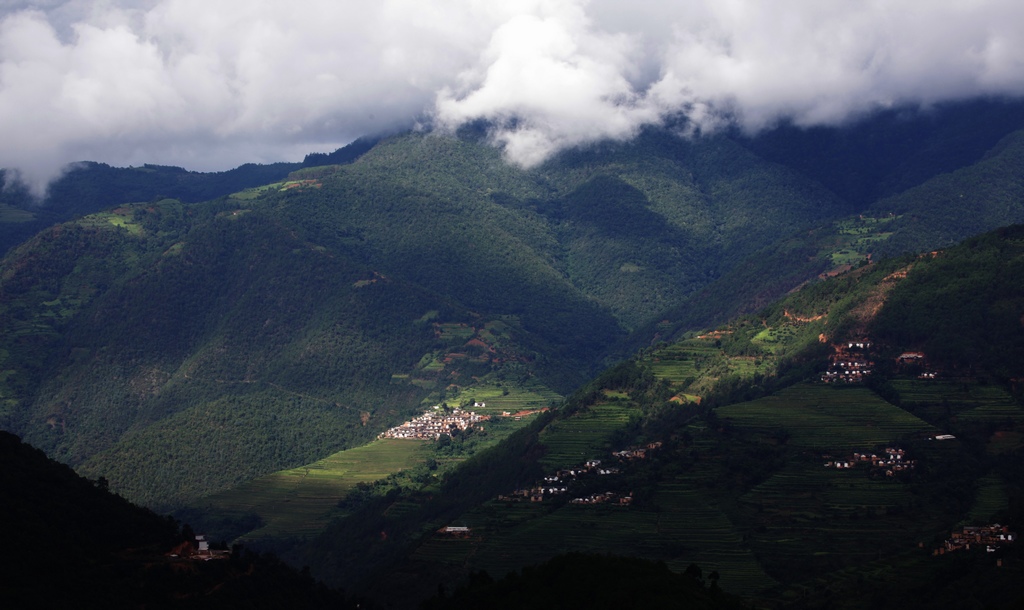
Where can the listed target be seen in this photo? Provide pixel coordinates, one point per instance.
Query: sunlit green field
(300, 501)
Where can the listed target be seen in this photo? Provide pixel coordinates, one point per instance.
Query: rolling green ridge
(88, 187)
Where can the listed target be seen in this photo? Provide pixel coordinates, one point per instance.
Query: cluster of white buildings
(990, 536)
(605, 498)
(435, 422)
(557, 484)
(637, 453)
(849, 363)
(847, 370)
(894, 460)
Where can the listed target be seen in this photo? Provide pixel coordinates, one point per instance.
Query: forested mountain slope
(91, 187)
(179, 348)
(945, 209)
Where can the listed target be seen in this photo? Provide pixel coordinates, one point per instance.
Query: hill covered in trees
(181, 348)
(78, 544)
(753, 452)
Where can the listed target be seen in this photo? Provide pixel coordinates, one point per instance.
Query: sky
(211, 84)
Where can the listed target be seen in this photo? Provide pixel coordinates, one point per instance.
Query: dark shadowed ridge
(77, 544)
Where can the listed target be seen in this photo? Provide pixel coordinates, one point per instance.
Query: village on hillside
(558, 483)
(198, 550)
(436, 421)
(441, 420)
(892, 462)
(851, 362)
(992, 537)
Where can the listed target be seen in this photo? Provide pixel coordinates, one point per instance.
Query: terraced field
(970, 403)
(705, 536)
(299, 502)
(994, 404)
(571, 528)
(499, 399)
(583, 436)
(684, 529)
(685, 362)
(828, 418)
(814, 519)
(12, 214)
(678, 362)
(802, 520)
(980, 402)
(991, 498)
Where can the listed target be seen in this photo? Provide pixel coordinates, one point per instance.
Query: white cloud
(549, 81)
(209, 85)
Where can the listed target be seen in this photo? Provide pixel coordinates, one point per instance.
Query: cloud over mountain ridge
(209, 86)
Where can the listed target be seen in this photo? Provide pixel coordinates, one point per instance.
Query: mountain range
(186, 336)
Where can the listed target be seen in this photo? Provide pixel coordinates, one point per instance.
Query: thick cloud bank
(209, 85)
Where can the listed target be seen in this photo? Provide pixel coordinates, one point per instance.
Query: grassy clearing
(300, 501)
(775, 338)
(856, 236)
(863, 226)
(256, 192)
(120, 218)
(259, 191)
(455, 331)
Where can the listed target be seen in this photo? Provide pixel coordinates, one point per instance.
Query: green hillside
(217, 342)
(89, 187)
(741, 478)
(943, 210)
(237, 357)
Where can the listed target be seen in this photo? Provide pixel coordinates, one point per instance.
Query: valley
(249, 353)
